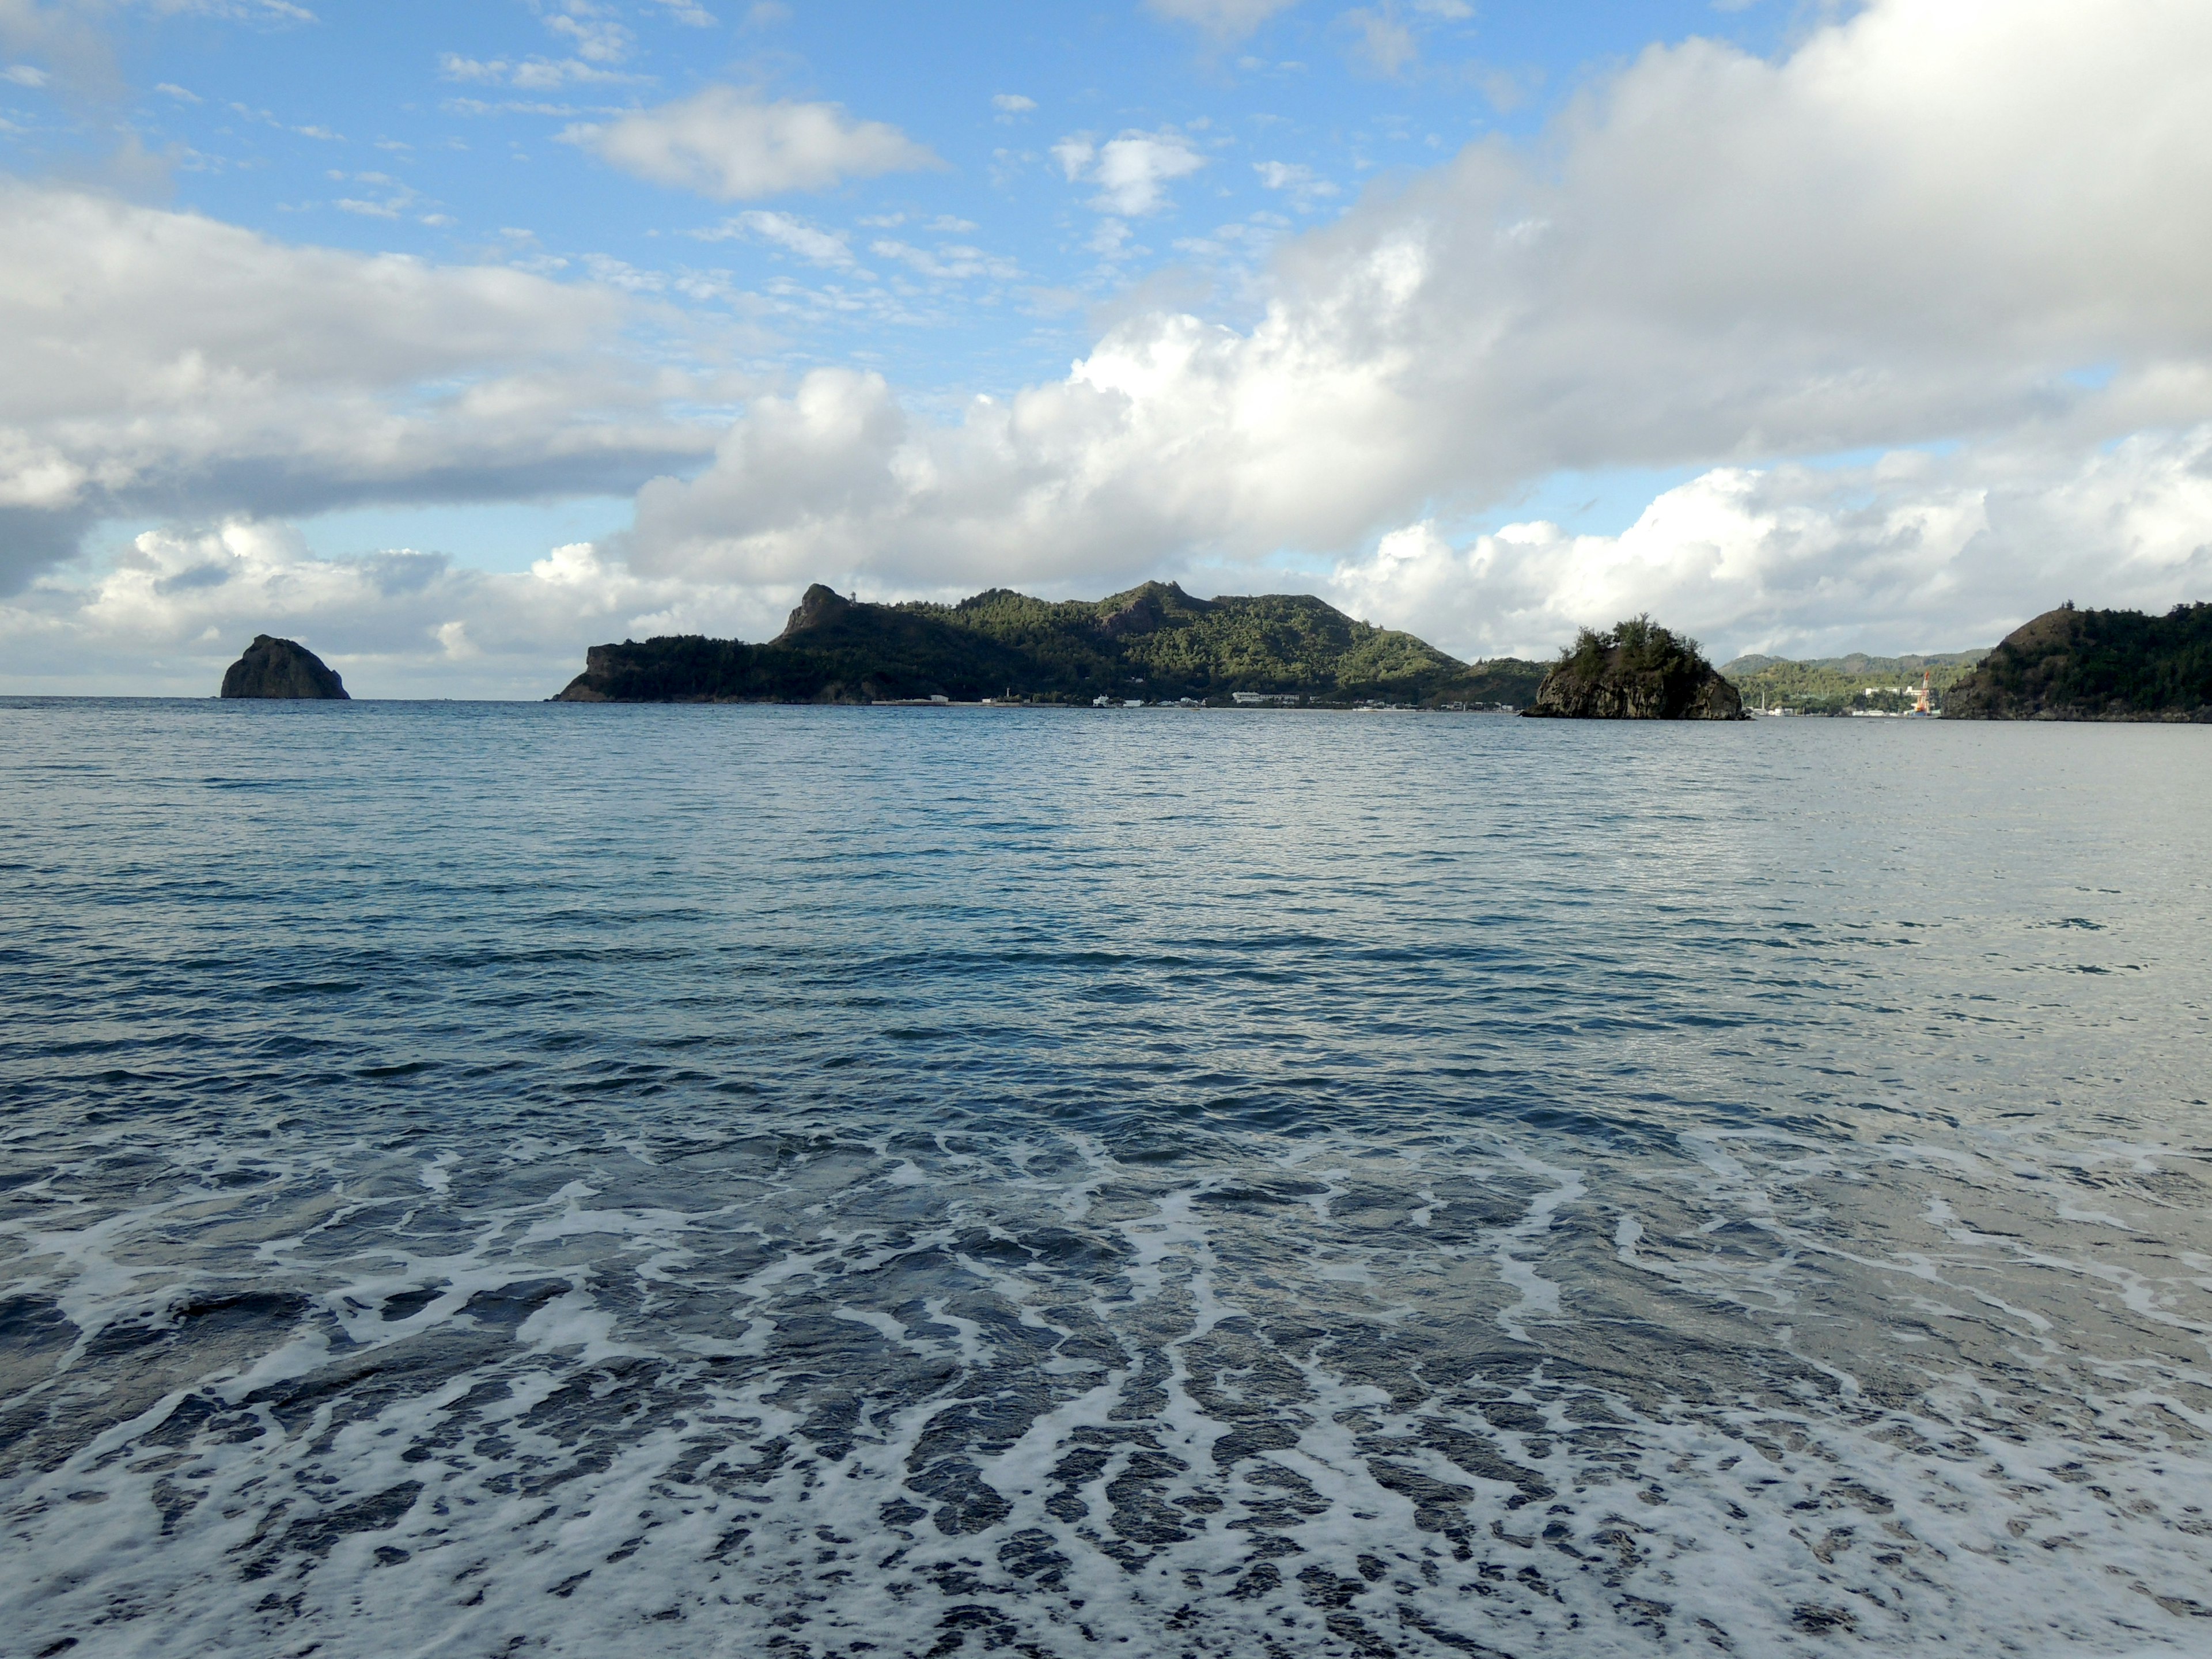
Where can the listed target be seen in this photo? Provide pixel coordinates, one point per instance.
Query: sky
(452, 339)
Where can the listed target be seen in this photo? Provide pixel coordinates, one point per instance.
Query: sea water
(489, 1180)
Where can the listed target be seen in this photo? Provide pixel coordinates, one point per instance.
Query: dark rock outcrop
(1638, 672)
(1149, 609)
(2069, 665)
(282, 668)
(818, 607)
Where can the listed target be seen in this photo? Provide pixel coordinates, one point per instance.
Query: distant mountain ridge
(1836, 684)
(1152, 642)
(1858, 664)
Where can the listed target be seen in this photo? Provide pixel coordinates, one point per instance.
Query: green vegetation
(1638, 646)
(2072, 665)
(1638, 670)
(1836, 685)
(1154, 643)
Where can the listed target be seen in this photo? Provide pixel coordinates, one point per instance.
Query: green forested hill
(2069, 665)
(1154, 642)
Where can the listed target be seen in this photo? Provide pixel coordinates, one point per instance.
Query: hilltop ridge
(1152, 641)
(2069, 665)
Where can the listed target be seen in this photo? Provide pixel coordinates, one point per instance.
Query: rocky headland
(1153, 643)
(2069, 665)
(282, 668)
(1638, 671)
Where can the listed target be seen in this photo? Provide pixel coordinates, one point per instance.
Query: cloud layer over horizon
(1916, 310)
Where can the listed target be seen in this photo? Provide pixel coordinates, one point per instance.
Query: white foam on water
(778, 1416)
(1540, 1297)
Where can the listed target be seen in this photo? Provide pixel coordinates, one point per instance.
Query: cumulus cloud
(153, 363)
(178, 604)
(1917, 225)
(730, 145)
(1132, 171)
(1224, 20)
(1923, 223)
(1917, 551)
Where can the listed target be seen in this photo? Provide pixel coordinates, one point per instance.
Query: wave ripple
(584, 1180)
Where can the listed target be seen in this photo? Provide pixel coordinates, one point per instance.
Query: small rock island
(282, 668)
(1638, 671)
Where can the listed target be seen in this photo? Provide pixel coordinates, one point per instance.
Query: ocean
(603, 1180)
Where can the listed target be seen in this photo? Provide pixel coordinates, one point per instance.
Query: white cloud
(726, 144)
(528, 74)
(1225, 20)
(1075, 155)
(178, 604)
(23, 74)
(950, 262)
(1297, 182)
(783, 230)
(1110, 241)
(1130, 170)
(1011, 104)
(1384, 44)
(592, 29)
(1912, 552)
(1917, 225)
(150, 357)
(1911, 228)
(284, 10)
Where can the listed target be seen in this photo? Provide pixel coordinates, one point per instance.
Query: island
(282, 668)
(1154, 643)
(1636, 671)
(2069, 665)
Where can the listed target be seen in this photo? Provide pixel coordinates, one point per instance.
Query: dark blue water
(593, 1180)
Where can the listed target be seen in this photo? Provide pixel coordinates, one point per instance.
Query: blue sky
(383, 128)
(1753, 271)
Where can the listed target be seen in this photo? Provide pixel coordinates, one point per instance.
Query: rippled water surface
(482, 1180)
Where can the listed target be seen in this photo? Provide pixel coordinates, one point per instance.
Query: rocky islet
(284, 669)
